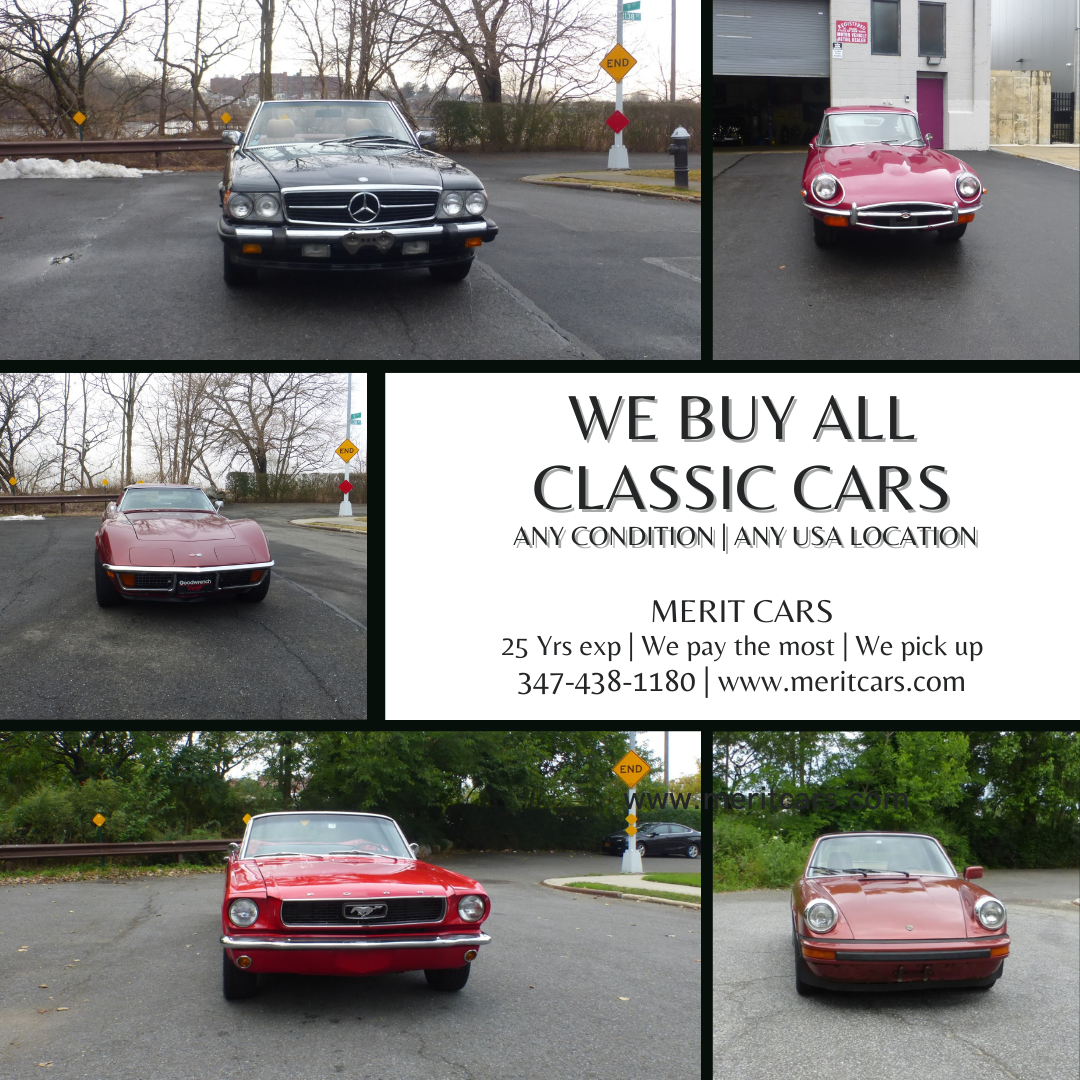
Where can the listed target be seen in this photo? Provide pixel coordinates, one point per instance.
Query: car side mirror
(928, 139)
(231, 137)
(218, 504)
(110, 512)
(813, 141)
(973, 872)
(426, 137)
(415, 849)
(234, 847)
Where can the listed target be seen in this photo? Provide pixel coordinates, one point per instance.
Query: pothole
(60, 259)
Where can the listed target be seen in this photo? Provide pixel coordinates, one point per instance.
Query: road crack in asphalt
(424, 1054)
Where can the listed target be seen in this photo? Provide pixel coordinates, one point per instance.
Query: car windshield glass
(317, 121)
(321, 834)
(849, 129)
(149, 498)
(861, 854)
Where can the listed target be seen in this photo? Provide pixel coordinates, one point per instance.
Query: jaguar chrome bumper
(441, 941)
(946, 215)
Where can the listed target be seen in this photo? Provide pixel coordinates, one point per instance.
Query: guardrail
(59, 497)
(68, 147)
(141, 847)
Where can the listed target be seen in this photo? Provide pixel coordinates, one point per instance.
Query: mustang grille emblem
(364, 911)
(364, 207)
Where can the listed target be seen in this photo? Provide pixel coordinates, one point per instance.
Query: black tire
(802, 988)
(260, 590)
(693, 851)
(458, 271)
(824, 235)
(448, 978)
(237, 275)
(641, 849)
(952, 233)
(107, 596)
(236, 984)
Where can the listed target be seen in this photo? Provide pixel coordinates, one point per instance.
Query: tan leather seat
(282, 128)
(358, 125)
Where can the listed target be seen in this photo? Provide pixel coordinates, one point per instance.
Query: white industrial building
(777, 64)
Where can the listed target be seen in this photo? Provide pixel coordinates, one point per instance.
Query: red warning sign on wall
(853, 32)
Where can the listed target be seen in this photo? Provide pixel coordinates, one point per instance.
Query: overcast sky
(684, 749)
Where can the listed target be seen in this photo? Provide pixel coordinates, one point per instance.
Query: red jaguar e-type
(329, 893)
(169, 542)
(888, 911)
(870, 167)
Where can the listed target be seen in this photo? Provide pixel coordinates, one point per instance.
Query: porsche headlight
(825, 187)
(243, 913)
(820, 916)
(968, 186)
(990, 912)
(453, 202)
(239, 206)
(471, 908)
(475, 203)
(267, 206)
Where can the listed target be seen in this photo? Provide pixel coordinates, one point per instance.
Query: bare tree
(54, 47)
(94, 430)
(180, 425)
(126, 397)
(317, 22)
(26, 415)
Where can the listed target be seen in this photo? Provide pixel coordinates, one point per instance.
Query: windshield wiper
(828, 870)
(366, 138)
(357, 851)
(863, 870)
(275, 854)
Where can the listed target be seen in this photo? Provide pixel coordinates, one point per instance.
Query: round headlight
(239, 206)
(820, 916)
(476, 203)
(266, 206)
(825, 186)
(471, 908)
(990, 913)
(243, 912)
(452, 203)
(968, 186)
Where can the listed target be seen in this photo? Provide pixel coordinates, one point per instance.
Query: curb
(1026, 157)
(625, 896)
(696, 197)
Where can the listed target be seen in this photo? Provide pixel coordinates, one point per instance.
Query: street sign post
(630, 769)
(346, 451)
(354, 418)
(99, 819)
(617, 63)
(225, 117)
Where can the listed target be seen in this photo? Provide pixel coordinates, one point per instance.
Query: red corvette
(327, 893)
(888, 911)
(871, 168)
(168, 542)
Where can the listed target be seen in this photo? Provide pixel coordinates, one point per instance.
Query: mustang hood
(300, 165)
(306, 879)
(884, 908)
(878, 172)
(198, 528)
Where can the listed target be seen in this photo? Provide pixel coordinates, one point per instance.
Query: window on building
(885, 27)
(931, 29)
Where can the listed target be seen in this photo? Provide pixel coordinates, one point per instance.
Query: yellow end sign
(98, 820)
(632, 769)
(79, 118)
(247, 818)
(346, 450)
(617, 63)
(225, 117)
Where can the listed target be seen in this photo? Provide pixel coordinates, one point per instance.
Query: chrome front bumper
(946, 215)
(172, 572)
(292, 944)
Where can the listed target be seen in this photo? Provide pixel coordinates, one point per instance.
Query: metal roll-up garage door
(771, 37)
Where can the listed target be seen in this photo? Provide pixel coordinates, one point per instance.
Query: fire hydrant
(680, 147)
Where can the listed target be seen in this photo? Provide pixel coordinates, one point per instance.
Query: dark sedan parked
(346, 185)
(658, 838)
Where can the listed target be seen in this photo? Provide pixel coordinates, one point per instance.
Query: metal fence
(63, 148)
(78, 851)
(1061, 117)
(52, 500)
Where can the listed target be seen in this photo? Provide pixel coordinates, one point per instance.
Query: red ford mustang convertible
(329, 893)
(168, 542)
(871, 168)
(888, 911)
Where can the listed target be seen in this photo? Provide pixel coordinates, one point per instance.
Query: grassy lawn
(637, 892)
(694, 174)
(676, 879)
(624, 185)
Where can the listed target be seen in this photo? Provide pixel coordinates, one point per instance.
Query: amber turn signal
(256, 575)
(830, 220)
(1000, 950)
(473, 241)
(243, 961)
(110, 573)
(966, 217)
(252, 249)
(470, 956)
(804, 193)
(818, 954)
(128, 580)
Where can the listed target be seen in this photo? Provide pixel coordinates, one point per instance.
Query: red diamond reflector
(345, 487)
(616, 121)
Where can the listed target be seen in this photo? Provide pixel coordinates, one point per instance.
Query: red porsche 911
(169, 542)
(888, 911)
(870, 168)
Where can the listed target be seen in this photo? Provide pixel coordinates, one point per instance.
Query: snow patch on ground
(50, 169)
(22, 517)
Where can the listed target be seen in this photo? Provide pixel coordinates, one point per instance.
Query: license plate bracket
(194, 586)
(352, 242)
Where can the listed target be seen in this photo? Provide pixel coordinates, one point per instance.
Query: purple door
(930, 105)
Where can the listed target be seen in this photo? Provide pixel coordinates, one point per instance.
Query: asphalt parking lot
(1022, 1029)
(567, 278)
(1009, 290)
(136, 969)
(300, 653)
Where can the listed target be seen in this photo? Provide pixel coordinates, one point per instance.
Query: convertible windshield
(317, 121)
(876, 854)
(850, 129)
(324, 834)
(165, 499)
